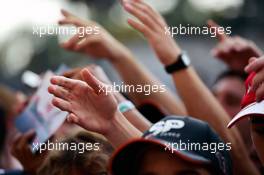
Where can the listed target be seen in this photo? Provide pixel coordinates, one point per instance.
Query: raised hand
(99, 45)
(234, 51)
(153, 26)
(96, 70)
(86, 101)
(257, 66)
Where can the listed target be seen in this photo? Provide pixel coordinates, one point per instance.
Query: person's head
(229, 90)
(91, 159)
(253, 111)
(174, 146)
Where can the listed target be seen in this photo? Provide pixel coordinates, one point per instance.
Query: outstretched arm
(199, 101)
(103, 45)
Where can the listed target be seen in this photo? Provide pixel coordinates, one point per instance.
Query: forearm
(200, 103)
(133, 73)
(133, 116)
(121, 131)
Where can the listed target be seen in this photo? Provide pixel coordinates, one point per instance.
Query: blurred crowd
(204, 132)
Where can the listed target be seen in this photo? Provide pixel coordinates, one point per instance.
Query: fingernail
(50, 89)
(127, 6)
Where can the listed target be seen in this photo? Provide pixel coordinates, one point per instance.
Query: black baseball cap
(187, 138)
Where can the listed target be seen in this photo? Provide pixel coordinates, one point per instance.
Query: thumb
(92, 81)
(254, 65)
(213, 25)
(252, 59)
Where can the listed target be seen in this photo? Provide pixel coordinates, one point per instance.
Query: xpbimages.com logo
(146, 89)
(190, 146)
(65, 146)
(41, 31)
(195, 30)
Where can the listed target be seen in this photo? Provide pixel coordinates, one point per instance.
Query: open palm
(88, 105)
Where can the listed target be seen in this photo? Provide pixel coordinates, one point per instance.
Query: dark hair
(2, 129)
(231, 73)
(65, 162)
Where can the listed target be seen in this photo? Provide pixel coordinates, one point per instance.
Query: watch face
(186, 60)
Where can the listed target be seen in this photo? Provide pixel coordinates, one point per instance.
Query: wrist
(121, 54)
(122, 128)
(172, 57)
(122, 57)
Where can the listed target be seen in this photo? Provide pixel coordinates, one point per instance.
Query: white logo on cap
(165, 126)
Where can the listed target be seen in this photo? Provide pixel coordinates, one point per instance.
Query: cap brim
(125, 158)
(254, 109)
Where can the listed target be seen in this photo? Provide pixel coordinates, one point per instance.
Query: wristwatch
(183, 61)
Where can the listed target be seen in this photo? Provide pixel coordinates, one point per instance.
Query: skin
(167, 164)
(105, 46)
(7, 160)
(133, 115)
(257, 65)
(257, 134)
(91, 108)
(234, 51)
(229, 92)
(22, 151)
(188, 83)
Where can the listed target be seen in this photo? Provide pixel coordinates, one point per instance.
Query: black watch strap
(182, 62)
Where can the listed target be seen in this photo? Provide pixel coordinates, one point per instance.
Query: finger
(220, 36)
(66, 13)
(143, 17)
(71, 73)
(154, 15)
(61, 104)
(84, 43)
(239, 44)
(92, 81)
(255, 65)
(29, 136)
(72, 42)
(140, 27)
(72, 21)
(16, 140)
(260, 93)
(252, 59)
(64, 82)
(72, 118)
(59, 92)
(23, 144)
(258, 80)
